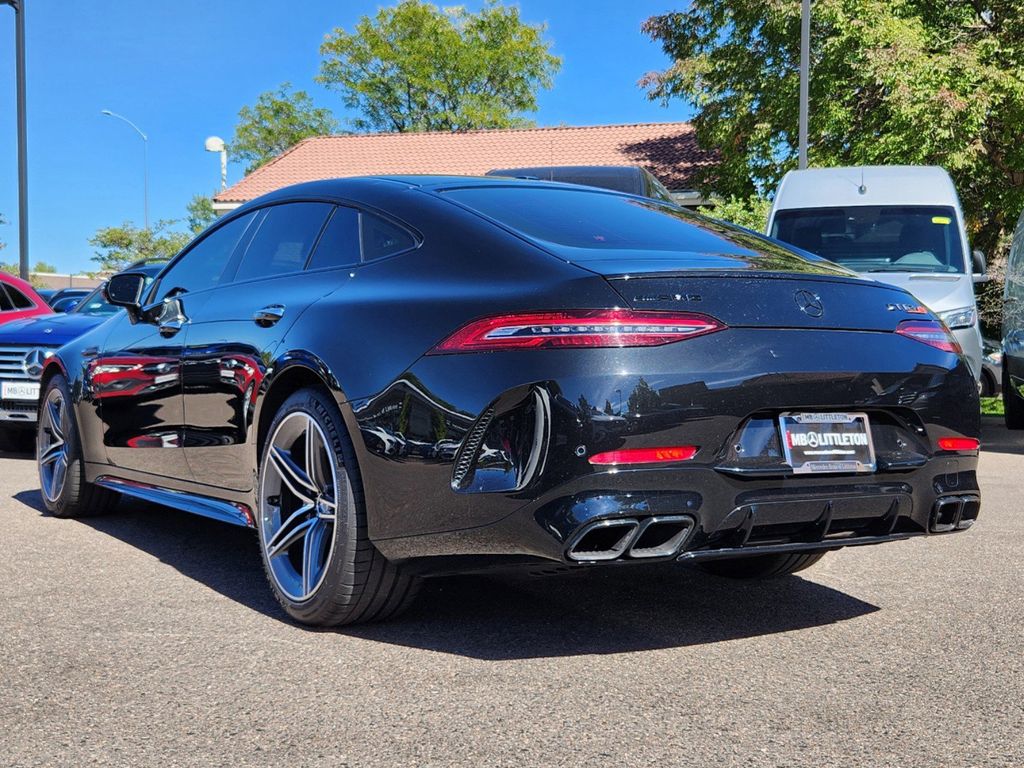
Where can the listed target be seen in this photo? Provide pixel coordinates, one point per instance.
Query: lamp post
(805, 76)
(19, 44)
(145, 161)
(216, 144)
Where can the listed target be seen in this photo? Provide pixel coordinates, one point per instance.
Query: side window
(203, 266)
(5, 302)
(339, 244)
(382, 238)
(18, 299)
(283, 241)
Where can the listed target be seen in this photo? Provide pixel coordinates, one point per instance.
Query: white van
(899, 224)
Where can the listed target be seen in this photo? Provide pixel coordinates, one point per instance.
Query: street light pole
(19, 44)
(805, 73)
(145, 161)
(216, 144)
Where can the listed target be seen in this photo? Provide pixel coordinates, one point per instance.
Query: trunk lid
(774, 301)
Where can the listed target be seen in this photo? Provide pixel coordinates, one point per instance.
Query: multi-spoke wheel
(59, 458)
(312, 521)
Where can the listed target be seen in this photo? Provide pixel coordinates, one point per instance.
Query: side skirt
(226, 511)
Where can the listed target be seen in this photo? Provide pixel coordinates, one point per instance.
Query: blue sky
(181, 71)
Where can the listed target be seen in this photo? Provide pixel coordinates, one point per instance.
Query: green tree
(415, 67)
(42, 267)
(119, 247)
(2, 221)
(199, 213)
(750, 212)
(906, 82)
(278, 120)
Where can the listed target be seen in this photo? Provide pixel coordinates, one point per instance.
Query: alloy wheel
(299, 492)
(51, 445)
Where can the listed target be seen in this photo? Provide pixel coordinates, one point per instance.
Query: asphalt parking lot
(149, 637)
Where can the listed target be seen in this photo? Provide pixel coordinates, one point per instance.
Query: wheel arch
(292, 371)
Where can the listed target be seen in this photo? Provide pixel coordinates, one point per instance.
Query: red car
(19, 300)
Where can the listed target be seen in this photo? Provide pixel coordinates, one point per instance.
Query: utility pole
(19, 44)
(805, 75)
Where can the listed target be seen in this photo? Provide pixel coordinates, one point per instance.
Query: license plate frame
(25, 391)
(838, 442)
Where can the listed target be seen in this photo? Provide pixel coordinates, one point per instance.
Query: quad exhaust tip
(955, 513)
(652, 537)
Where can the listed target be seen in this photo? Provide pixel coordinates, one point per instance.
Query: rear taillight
(583, 328)
(930, 332)
(958, 444)
(644, 455)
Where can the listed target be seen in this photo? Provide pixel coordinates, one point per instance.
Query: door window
(205, 263)
(339, 244)
(284, 240)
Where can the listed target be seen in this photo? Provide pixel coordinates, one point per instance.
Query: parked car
(991, 368)
(901, 225)
(59, 299)
(1013, 332)
(26, 344)
(19, 300)
(632, 179)
(769, 420)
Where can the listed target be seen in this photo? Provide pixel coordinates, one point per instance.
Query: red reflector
(583, 328)
(958, 444)
(645, 455)
(930, 332)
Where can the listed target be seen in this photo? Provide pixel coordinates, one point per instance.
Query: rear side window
(284, 240)
(339, 244)
(381, 238)
(19, 299)
(5, 302)
(204, 265)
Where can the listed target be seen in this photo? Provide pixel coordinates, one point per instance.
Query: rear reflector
(645, 455)
(583, 328)
(930, 332)
(958, 444)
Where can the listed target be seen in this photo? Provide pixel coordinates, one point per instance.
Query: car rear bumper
(715, 514)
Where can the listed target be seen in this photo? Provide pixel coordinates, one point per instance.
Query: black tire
(75, 497)
(357, 584)
(1013, 404)
(987, 384)
(762, 566)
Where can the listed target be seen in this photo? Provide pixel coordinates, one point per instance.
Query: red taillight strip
(583, 328)
(958, 444)
(644, 455)
(930, 332)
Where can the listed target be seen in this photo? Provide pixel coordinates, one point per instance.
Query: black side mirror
(125, 290)
(980, 267)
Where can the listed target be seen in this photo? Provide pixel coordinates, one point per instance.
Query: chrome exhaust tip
(602, 540)
(955, 513)
(661, 536)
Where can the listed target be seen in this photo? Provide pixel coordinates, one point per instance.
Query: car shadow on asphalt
(996, 438)
(595, 611)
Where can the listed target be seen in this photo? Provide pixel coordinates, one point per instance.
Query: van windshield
(876, 238)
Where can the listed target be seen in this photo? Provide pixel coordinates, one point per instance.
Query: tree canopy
(119, 247)
(278, 120)
(415, 67)
(199, 213)
(912, 81)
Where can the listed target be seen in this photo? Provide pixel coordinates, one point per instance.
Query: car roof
(353, 185)
(866, 185)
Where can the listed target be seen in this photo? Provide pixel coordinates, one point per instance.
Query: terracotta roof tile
(668, 150)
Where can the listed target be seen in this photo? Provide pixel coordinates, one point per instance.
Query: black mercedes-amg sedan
(390, 378)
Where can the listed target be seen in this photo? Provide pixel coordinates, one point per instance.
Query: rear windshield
(595, 220)
(874, 238)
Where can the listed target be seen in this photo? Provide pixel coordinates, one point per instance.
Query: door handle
(269, 315)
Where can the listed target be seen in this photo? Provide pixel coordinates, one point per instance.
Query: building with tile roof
(668, 150)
